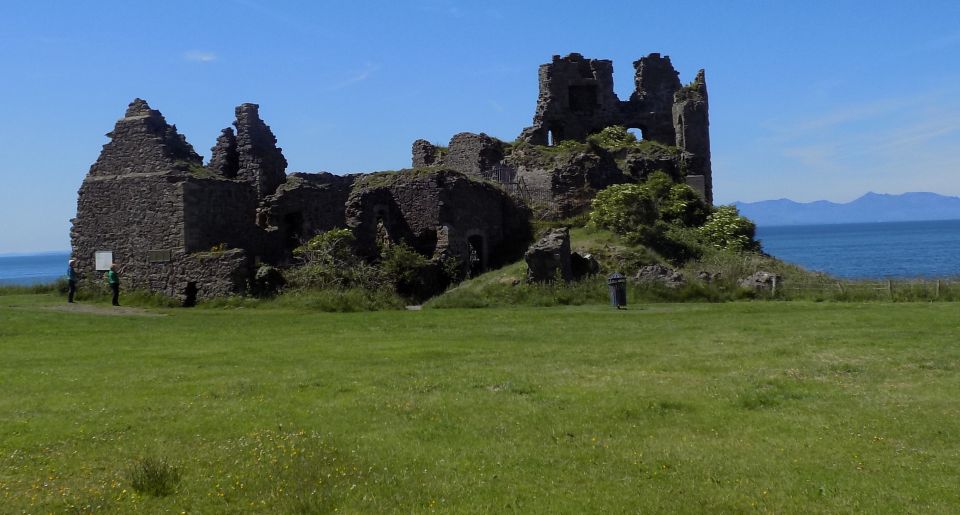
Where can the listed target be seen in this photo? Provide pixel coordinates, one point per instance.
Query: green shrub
(411, 273)
(623, 208)
(726, 229)
(334, 247)
(613, 138)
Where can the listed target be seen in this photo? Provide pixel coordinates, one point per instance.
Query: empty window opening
(190, 295)
(583, 99)
(477, 255)
(550, 141)
(637, 132)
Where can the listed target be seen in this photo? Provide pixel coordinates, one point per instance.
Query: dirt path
(94, 309)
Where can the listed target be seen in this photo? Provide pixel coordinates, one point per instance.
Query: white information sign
(103, 258)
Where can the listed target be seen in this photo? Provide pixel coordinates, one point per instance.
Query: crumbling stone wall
(306, 205)
(425, 154)
(440, 213)
(472, 154)
(225, 159)
(252, 155)
(692, 123)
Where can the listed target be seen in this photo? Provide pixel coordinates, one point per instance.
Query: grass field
(734, 407)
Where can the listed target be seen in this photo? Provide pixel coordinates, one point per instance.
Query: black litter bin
(618, 290)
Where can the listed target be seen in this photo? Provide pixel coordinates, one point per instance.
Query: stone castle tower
(577, 99)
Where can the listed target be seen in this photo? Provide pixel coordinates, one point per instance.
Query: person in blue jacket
(71, 280)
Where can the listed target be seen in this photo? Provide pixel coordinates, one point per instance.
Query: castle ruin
(194, 231)
(576, 100)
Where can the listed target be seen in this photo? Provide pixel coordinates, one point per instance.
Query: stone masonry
(192, 231)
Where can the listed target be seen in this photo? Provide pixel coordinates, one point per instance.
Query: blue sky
(809, 100)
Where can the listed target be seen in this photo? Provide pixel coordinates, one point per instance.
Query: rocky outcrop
(661, 275)
(760, 281)
(548, 259)
(583, 265)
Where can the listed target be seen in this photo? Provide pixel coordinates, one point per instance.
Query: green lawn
(748, 406)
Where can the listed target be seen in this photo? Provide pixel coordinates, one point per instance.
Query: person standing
(71, 280)
(113, 279)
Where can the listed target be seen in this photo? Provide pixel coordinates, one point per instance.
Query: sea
(30, 269)
(892, 250)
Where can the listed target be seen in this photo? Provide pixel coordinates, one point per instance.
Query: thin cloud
(355, 77)
(199, 56)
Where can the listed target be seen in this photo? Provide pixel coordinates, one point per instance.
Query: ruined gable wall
(143, 142)
(131, 200)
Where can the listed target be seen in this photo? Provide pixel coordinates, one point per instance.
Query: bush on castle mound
(657, 221)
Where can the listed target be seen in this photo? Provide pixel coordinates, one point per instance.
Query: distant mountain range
(872, 207)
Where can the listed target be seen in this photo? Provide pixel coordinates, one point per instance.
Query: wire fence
(888, 289)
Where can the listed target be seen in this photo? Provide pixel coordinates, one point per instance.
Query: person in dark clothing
(71, 280)
(113, 279)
